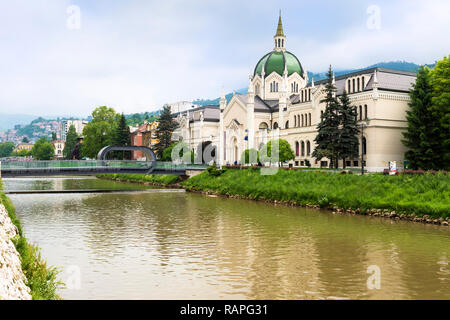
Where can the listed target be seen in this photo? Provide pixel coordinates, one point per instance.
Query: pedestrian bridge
(11, 168)
(92, 167)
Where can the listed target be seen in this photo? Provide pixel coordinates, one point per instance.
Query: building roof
(388, 79)
(277, 61)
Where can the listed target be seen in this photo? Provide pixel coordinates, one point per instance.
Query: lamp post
(364, 124)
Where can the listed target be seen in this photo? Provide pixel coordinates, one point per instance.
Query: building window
(360, 113)
(296, 163)
(302, 121)
(309, 95)
(271, 87)
(323, 164)
(308, 148)
(302, 163)
(358, 85)
(363, 84)
(355, 163)
(310, 119)
(302, 96)
(303, 148)
(348, 163)
(349, 87)
(287, 124)
(275, 125)
(353, 89)
(365, 111)
(297, 147)
(276, 86)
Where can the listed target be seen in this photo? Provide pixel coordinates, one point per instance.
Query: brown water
(190, 246)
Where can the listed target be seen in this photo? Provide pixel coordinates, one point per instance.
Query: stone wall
(12, 279)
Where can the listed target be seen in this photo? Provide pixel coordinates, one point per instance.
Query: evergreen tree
(422, 136)
(327, 139)
(71, 141)
(348, 138)
(164, 130)
(440, 81)
(121, 136)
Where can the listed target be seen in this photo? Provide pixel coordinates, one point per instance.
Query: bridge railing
(74, 164)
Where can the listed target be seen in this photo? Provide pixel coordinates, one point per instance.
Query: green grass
(420, 194)
(41, 279)
(155, 179)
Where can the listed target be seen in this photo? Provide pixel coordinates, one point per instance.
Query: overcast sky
(137, 55)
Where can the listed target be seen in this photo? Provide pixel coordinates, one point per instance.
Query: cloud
(137, 55)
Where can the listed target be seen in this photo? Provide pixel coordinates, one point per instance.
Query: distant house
(23, 146)
(144, 135)
(59, 148)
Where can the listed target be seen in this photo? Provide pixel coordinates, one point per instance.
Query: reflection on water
(189, 246)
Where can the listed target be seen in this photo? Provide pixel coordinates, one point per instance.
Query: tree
(43, 150)
(6, 149)
(281, 154)
(25, 140)
(164, 130)
(440, 81)
(53, 136)
(327, 138)
(99, 132)
(250, 156)
(348, 137)
(422, 137)
(121, 134)
(71, 141)
(186, 157)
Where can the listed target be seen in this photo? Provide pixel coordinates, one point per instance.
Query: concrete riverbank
(12, 278)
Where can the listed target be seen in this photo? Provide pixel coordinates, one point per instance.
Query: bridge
(99, 166)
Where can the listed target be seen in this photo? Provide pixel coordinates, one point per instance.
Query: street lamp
(364, 124)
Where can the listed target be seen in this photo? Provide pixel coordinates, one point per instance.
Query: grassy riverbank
(427, 194)
(41, 279)
(152, 179)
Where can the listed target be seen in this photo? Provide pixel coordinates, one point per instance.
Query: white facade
(78, 124)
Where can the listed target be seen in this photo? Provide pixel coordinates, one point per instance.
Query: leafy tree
(281, 154)
(24, 153)
(348, 138)
(25, 140)
(71, 141)
(6, 149)
(53, 136)
(99, 132)
(187, 157)
(422, 137)
(250, 156)
(164, 130)
(440, 80)
(327, 138)
(43, 150)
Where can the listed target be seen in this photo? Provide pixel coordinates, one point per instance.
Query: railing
(97, 164)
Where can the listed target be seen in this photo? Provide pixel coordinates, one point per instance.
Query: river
(167, 245)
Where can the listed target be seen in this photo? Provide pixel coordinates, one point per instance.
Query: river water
(158, 245)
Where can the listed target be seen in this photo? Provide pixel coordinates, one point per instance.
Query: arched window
(358, 85)
(365, 111)
(353, 90)
(276, 86)
(349, 86)
(308, 148)
(363, 84)
(310, 119)
(296, 87)
(279, 42)
(309, 95)
(302, 96)
(282, 42)
(364, 146)
(303, 148)
(360, 113)
(292, 87)
(297, 147)
(302, 121)
(298, 120)
(295, 121)
(263, 126)
(287, 125)
(271, 87)
(275, 125)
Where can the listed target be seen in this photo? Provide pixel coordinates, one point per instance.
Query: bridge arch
(146, 150)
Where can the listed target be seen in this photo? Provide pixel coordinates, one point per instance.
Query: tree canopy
(164, 131)
(71, 141)
(43, 150)
(6, 149)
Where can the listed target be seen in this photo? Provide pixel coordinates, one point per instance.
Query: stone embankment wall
(12, 279)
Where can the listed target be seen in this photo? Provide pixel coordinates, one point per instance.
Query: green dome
(275, 61)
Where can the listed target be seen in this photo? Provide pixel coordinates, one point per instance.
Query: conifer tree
(164, 130)
(121, 135)
(423, 136)
(71, 141)
(327, 139)
(348, 138)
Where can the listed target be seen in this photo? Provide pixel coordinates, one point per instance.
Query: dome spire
(280, 32)
(279, 37)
